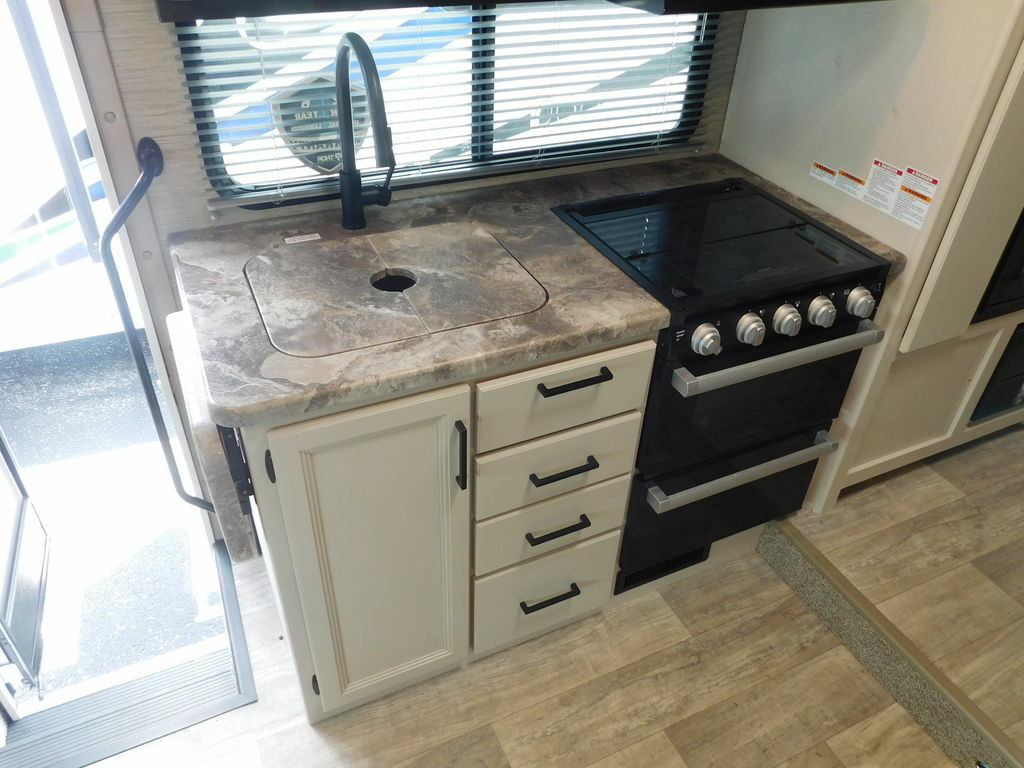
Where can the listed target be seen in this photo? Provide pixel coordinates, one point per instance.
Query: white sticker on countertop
(301, 238)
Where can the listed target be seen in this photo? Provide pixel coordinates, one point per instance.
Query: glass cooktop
(711, 243)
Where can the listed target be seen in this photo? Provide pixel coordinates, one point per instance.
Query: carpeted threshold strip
(965, 733)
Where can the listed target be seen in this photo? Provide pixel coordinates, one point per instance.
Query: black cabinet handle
(460, 479)
(539, 481)
(535, 540)
(604, 375)
(528, 609)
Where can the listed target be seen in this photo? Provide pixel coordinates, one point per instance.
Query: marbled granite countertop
(591, 304)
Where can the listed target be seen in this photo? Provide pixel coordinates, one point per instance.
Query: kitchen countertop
(591, 304)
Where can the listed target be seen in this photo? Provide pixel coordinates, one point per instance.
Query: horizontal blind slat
(467, 91)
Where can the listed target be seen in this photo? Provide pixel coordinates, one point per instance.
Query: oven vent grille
(629, 579)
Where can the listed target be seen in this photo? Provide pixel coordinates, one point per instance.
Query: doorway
(131, 599)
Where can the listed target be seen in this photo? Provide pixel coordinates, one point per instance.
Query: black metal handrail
(151, 165)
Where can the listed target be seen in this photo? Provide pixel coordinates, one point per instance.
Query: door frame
(92, 73)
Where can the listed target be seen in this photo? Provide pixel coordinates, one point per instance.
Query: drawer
(540, 401)
(528, 598)
(534, 471)
(540, 528)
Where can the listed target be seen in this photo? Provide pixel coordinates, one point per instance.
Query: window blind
(468, 90)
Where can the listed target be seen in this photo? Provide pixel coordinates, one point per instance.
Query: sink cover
(316, 300)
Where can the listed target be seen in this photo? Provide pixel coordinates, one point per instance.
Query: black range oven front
(769, 313)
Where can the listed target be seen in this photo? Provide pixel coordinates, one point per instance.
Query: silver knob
(750, 329)
(706, 340)
(821, 312)
(787, 320)
(860, 302)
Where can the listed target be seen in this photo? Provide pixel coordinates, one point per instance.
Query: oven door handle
(661, 502)
(688, 385)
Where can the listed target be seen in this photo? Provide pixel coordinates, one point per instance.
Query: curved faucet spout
(352, 192)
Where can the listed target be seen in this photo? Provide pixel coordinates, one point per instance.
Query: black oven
(769, 312)
(730, 448)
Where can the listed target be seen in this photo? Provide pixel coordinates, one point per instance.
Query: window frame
(482, 131)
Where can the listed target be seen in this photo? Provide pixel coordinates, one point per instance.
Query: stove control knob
(821, 312)
(706, 340)
(860, 302)
(787, 320)
(750, 329)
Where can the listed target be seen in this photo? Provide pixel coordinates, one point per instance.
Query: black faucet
(353, 195)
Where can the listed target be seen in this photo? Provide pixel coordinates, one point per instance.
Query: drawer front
(526, 405)
(550, 466)
(528, 598)
(540, 528)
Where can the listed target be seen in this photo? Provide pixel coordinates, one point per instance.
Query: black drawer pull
(561, 389)
(460, 479)
(574, 590)
(539, 481)
(535, 540)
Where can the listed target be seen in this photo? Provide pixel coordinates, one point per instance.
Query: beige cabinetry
(549, 511)
(375, 507)
(378, 530)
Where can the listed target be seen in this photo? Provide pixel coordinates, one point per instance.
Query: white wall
(900, 80)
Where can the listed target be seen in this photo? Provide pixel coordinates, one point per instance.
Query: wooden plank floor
(725, 669)
(938, 547)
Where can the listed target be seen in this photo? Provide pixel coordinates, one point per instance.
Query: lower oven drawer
(533, 596)
(718, 500)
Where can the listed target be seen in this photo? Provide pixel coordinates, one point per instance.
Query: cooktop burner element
(709, 245)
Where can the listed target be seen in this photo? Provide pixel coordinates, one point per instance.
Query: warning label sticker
(850, 184)
(823, 173)
(905, 194)
(914, 198)
(883, 185)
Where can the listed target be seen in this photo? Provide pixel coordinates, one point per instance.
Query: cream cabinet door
(378, 528)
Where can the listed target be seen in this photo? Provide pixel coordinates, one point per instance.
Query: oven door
(693, 421)
(670, 521)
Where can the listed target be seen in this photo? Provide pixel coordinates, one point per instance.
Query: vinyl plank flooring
(653, 752)
(605, 715)
(890, 737)
(718, 595)
(1005, 566)
(477, 749)
(983, 462)
(818, 756)
(904, 555)
(951, 611)
(417, 719)
(1016, 732)
(991, 672)
(783, 716)
(877, 504)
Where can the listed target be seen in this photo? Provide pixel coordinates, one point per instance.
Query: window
(468, 90)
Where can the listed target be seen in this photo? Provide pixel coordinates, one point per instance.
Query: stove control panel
(784, 321)
(750, 329)
(860, 302)
(821, 312)
(787, 320)
(706, 340)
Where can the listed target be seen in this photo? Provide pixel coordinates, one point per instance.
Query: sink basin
(315, 301)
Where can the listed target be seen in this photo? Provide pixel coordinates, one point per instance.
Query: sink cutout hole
(394, 280)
